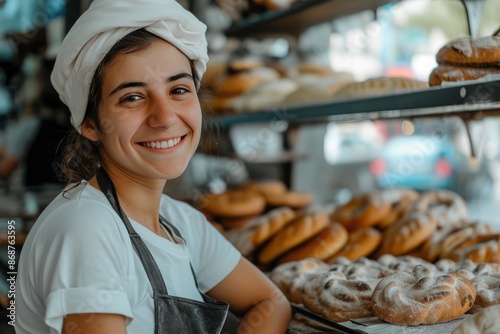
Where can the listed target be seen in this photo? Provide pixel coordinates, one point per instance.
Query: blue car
(426, 162)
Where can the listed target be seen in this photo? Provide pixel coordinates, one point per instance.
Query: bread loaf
(475, 52)
(422, 297)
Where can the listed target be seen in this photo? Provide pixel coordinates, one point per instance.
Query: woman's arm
(252, 295)
(94, 323)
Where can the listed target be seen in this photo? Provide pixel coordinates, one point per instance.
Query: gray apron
(172, 314)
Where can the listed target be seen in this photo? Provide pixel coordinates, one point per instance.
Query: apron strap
(150, 266)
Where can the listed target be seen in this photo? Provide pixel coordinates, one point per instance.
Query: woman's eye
(179, 90)
(130, 98)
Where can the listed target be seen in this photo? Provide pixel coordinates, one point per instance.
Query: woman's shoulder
(78, 222)
(79, 207)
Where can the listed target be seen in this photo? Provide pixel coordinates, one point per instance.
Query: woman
(112, 254)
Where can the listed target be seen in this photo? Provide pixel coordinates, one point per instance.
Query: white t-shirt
(78, 258)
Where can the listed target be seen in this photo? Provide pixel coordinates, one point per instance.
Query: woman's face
(149, 113)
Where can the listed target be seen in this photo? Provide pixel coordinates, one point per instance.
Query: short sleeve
(213, 256)
(82, 263)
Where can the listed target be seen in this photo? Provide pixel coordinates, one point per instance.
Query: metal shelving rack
(468, 100)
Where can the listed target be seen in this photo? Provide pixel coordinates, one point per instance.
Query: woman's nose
(162, 113)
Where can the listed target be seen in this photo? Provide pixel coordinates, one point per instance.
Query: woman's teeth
(162, 144)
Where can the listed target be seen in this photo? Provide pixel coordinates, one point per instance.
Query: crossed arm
(250, 294)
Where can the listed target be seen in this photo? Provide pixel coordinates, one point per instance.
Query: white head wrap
(103, 25)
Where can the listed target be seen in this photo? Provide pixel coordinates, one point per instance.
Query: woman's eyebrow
(179, 76)
(142, 84)
(127, 85)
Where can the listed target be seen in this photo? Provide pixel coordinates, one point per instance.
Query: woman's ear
(89, 131)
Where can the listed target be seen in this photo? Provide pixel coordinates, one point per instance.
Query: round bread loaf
(431, 249)
(418, 298)
(480, 249)
(487, 292)
(408, 234)
(362, 211)
(290, 276)
(445, 206)
(312, 287)
(234, 203)
(459, 235)
(482, 51)
(342, 300)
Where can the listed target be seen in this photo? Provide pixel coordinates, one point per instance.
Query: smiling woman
(112, 253)
(81, 158)
(147, 103)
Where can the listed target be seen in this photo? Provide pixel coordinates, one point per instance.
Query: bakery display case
(468, 101)
(461, 104)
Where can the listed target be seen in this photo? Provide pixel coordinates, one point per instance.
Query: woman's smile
(163, 144)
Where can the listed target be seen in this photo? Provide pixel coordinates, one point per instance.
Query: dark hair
(80, 157)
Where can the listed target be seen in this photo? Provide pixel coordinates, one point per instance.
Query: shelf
(302, 15)
(473, 100)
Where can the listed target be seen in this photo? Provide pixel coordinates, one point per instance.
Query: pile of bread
(402, 290)
(466, 59)
(243, 207)
(431, 225)
(271, 225)
(247, 84)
